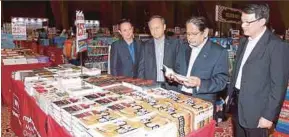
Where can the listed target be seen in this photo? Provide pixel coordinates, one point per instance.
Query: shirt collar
(129, 44)
(201, 45)
(259, 36)
(161, 40)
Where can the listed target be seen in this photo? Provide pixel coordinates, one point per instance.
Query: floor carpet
(5, 123)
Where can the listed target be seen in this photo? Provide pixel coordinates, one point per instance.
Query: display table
(28, 119)
(6, 83)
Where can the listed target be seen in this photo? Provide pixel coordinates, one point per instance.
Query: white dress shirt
(159, 52)
(250, 46)
(194, 54)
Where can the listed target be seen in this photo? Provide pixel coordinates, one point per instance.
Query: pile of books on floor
(282, 127)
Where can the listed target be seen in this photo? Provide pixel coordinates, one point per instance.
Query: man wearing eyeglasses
(260, 77)
(204, 63)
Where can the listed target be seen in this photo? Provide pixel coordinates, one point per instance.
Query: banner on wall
(81, 34)
(228, 15)
(19, 31)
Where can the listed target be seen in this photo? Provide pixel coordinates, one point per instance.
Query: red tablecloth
(28, 119)
(55, 130)
(207, 131)
(6, 83)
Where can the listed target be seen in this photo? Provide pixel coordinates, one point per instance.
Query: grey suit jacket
(148, 69)
(211, 66)
(121, 63)
(264, 79)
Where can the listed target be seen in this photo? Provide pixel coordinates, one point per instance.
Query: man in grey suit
(260, 77)
(204, 63)
(125, 53)
(157, 51)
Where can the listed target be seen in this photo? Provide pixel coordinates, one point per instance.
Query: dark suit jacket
(211, 66)
(121, 63)
(148, 69)
(264, 80)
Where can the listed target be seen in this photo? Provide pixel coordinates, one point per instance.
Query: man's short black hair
(124, 21)
(260, 11)
(199, 21)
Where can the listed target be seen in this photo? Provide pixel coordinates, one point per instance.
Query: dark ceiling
(62, 13)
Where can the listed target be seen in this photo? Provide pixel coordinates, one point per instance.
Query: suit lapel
(240, 55)
(201, 58)
(259, 46)
(135, 46)
(152, 55)
(187, 56)
(125, 51)
(166, 51)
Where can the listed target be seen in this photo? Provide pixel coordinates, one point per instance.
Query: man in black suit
(125, 53)
(260, 77)
(203, 63)
(157, 51)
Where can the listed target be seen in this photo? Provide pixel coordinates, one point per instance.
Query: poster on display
(81, 35)
(19, 31)
(228, 15)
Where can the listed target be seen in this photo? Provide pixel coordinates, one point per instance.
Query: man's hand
(264, 123)
(193, 82)
(170, 78)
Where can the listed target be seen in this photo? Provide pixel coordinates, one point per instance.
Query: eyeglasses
(193, 34)
(248, 23)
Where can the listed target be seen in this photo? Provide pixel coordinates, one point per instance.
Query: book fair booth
(60, 85)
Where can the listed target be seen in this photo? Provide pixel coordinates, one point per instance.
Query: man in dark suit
(260, 77)
(157, 51)
(125, 53)
(204, 63)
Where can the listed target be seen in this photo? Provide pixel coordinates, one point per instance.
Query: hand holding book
(191, 81)
(173, 76)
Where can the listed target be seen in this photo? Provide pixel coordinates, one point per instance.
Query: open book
(169, 71)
